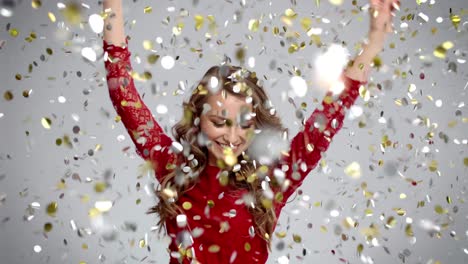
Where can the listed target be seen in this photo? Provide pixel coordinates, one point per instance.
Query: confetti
(167, 62)
(46, 123)
(36, 4)
(89, 54)
(96, 23)
(51, 208)
(299, 86)
(37, 248)
(353, 170)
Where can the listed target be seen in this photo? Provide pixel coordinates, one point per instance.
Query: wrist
(375, 42)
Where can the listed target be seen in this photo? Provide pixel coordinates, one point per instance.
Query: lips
(232, 146)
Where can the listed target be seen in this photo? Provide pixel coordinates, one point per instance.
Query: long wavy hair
(195, 154)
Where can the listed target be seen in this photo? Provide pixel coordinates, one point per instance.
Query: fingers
(384, 5)
(396, 5)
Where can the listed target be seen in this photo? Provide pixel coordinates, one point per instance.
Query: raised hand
(381, 15)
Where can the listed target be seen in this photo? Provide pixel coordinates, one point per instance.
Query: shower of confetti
(392, 187)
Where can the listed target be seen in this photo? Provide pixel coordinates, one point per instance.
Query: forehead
(230, 104)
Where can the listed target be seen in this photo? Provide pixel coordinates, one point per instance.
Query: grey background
(31, 164)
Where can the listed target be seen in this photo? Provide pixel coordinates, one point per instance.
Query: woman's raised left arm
(308, 145)
(381, 16)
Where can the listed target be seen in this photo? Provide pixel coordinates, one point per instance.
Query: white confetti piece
(61, 99)
(96, 23)
(329, 65)
(353, 170)
(298, 85)
(37, 248)
(167, 62)
(103, 206)
(6, 12)
(89, 54)
(161, 109)
(181, 220)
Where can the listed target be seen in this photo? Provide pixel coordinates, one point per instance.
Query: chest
(216, 213)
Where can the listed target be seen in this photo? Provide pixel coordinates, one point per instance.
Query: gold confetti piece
(100, 187)
(51, 208)
(46, 122)
(51, 17)
(353, 170)
(47, 227)
(253, 25)
(290, 13)
(281, 234)
(84, 246)
(229, 158)
(61, 185)
(147, 44)
(360, 248)
(84, 198)
(36, 4)
(323, 229)
(93, 212)
(210, 203)
(336, 2)
(199, 21)
(391, 222)
(409, 230)
(72, 13)
(440, 210)
(148, 10)
(14, 32)
(306, 23)
(214, 248)
(442, 49)
(141, 243)
(348, 222)
(400, 211)
(152, 58)
(247, 246)
(8, 96)
(433, 165)
(455, 20)
(297, 238)
(267, 203)
(32, 36)
(449, 200)
(465, 161)
(224, 179)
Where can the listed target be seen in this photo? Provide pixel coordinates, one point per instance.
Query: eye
(218, 123)
(247, 125)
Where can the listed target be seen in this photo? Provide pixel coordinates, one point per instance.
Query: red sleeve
(150, 140)
(308, 145)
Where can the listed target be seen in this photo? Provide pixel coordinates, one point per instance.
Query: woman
(217, 203)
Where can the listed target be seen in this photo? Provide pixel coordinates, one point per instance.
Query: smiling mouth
(222, 145)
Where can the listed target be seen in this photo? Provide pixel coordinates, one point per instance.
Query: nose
(234, 135)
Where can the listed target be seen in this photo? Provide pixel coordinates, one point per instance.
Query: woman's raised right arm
(114, 32)
(150, 140)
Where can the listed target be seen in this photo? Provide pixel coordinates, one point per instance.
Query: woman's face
(228, 123)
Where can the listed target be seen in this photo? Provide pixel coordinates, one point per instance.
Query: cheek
(210, 131)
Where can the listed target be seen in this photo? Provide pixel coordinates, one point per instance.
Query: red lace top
(219, 227)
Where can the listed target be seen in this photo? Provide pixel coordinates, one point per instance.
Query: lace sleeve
(308, 145)
(150, 140)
